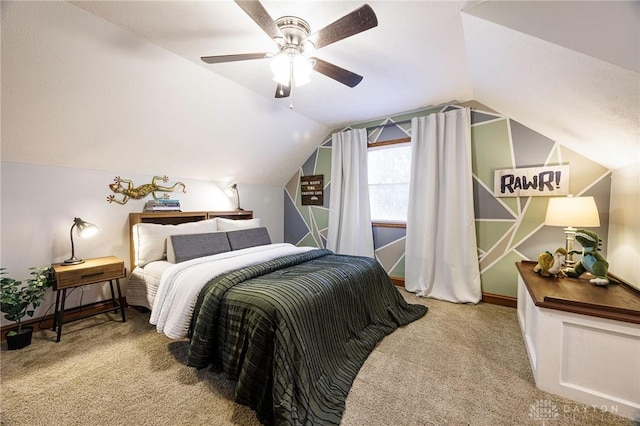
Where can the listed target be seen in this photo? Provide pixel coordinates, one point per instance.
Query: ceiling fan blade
(283, 91)
(259, 14)
(353, 23)
(345, 77)
(232, 58)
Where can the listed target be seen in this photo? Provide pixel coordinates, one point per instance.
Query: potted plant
(18, 299)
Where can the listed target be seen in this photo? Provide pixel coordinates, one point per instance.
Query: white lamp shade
(86, 229)
(288, 61)
(302, 68)
(281, 68)
(572, 211)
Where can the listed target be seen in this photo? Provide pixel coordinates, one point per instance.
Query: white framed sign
(531, 182)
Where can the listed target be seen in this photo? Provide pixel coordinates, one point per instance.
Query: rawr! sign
(531, 182)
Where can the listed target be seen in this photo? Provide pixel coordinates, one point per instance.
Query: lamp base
(570, 234)
(73, 261)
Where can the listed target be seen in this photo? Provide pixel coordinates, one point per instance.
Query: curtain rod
(388, 124)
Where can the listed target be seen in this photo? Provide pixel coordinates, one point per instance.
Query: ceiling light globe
(302, 69)
(281, 68)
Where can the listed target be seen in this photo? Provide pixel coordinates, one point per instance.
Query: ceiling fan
(292, 62)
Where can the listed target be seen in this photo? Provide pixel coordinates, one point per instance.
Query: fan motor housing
(294, 29)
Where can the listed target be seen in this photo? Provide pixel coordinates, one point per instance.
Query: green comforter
(294, 332)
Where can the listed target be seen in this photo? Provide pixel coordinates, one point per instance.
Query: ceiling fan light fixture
(281, 68)
(308, 47)
(302, 68)
(292, 63)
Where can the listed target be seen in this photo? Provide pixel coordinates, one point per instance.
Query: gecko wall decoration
(130, 191)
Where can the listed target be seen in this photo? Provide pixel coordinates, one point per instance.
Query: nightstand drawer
(92, 271)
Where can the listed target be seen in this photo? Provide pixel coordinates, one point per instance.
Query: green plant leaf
(18, 299)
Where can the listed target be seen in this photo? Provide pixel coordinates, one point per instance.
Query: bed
(291, 326)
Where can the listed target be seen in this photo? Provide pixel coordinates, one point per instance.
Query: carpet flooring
(458, 365)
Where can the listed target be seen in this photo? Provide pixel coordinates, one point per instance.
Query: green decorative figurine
(592, 261)
(549, 264)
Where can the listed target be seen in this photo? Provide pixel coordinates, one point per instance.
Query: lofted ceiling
(566, 69)
(415, 56)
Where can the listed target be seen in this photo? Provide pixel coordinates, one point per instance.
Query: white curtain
(441, 250)
(349, 215)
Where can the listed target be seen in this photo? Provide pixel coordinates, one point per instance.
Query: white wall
(84, 101)
(77, 91)
(40, 202)
(624, 224)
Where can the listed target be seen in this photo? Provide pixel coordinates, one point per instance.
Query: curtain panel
(349, 230)
(441, 251)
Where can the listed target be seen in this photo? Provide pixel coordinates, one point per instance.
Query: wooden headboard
(176, 218)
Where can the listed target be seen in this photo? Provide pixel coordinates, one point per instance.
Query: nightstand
(92, 271)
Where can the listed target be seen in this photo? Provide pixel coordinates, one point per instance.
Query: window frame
(389, 224)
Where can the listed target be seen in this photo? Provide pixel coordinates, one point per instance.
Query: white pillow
(230, 224)
(150, 239)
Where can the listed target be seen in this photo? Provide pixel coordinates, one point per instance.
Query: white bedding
(181, 283)
(143, 283)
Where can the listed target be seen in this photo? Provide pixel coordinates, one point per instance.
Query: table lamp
(84, 230)
(572, 212)
(234, 189)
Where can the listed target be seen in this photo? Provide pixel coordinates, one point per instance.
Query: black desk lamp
(85, 230)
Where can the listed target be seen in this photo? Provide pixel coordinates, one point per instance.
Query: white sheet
(143, 283)
(181, 283)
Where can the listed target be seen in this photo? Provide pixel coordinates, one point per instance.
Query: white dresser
(583, 341)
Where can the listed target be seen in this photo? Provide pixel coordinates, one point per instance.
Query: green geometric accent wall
(488, 232)
(506, 144)
(323, 163)
(500, 278)
(491, 149)
(398, 270)
(307, 225)
(508, 229)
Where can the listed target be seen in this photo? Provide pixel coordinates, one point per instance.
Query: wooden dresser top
(618, 300)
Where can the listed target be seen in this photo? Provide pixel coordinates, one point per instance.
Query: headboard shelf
(176, 218)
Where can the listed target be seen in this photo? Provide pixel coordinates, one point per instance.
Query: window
(389, 166)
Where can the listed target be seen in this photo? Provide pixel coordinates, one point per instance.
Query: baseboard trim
(498, 299)
(46, 322)
(494, 299)
(397, 281)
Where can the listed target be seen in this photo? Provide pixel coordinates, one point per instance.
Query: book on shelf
(162, 205)
(162, 201)
(162, 209)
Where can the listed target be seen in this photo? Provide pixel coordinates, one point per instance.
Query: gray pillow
(244, 238)
(191, 246)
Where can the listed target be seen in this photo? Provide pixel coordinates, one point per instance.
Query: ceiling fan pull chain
(291, 81)
(291, 98)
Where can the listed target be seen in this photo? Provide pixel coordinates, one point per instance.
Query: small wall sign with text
(312, 190)
(531, 182)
